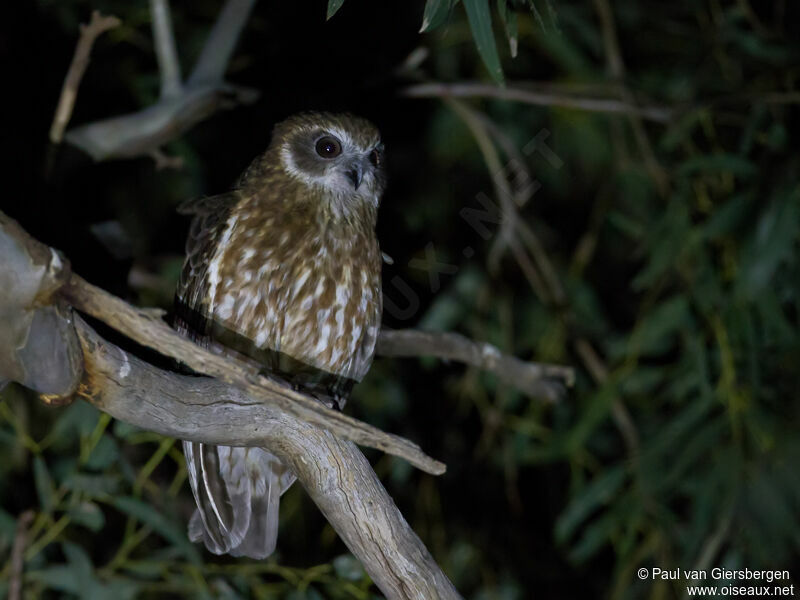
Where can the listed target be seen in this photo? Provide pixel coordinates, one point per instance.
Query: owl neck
(274, 192)
(349, 212)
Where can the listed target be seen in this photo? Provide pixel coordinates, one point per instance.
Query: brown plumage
(285, 271)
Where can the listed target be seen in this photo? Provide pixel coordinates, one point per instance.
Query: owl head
(340, 155)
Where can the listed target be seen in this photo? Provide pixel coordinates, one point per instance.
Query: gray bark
(334, 472)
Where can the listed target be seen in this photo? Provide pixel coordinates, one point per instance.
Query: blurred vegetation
(675, 291)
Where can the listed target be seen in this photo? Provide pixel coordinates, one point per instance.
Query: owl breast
(309, 293)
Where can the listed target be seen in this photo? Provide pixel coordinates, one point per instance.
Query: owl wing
(191, 296)
(237, 490)
(373, 312)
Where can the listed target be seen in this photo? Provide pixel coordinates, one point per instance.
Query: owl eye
(375, 157)
(328, 147)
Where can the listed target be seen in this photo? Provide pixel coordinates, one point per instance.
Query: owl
(283, 272)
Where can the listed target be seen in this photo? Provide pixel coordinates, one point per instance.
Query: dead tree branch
(18, 555)
(181, 106)
(221, 41)
(520, 93)
(169, 67)
(152, 332)
(334, 472)
(80, 60)
(536, 379)
(236, 406)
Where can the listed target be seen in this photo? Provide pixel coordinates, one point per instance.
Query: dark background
(676, 244)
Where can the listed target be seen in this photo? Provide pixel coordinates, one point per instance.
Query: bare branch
(330, 469)
(238, 408)
(217, 51)
(180, 108)
(539, 380)
(156, 334)
(164, 161)
(518, 93)
(167, 55)
(18, 555)
(138, 133)
(541, 276)
(80, 60)
(241, 408)
(149, 330)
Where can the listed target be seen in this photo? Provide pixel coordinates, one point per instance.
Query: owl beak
(355, 173)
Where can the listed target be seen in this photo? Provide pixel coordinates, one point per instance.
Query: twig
(80, 60)
(535, 247)
(167, 55)
(333, 471)
(205, 93)
(18, 555)
(516, 93)
(616, 67)
(610, 41)
(502, 188)
(619, 412)
(543, 281)
(536, 379)
(164, 161)
(137, 134)
(217, 51)
(155, 334)
(548, 286)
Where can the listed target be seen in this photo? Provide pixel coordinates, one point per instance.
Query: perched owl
(283, 271)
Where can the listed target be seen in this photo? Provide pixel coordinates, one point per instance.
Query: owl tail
(238, 492)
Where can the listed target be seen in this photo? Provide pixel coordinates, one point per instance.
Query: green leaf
(599, 405)
(450, 307)
(78, 578)
(124, 430)
(167, 529)
(726, 218)
(735, 165)
(333, 6)
(79, 418)
(773, 243)
(87, 514)
(308, 594)
(104, 454)
(595, 535)
(598, 492)
(690, 455)
(8, 527)
(347, 567)
(480, 22)
(60, 577)
(509, 18)
(44, 484)
(671, 436)
(667, 243)
(79, 562)
(93, 485)
(436, 13)
(682, 128)
(653, 335)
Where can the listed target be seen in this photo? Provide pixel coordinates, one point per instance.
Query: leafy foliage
(673, 287)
